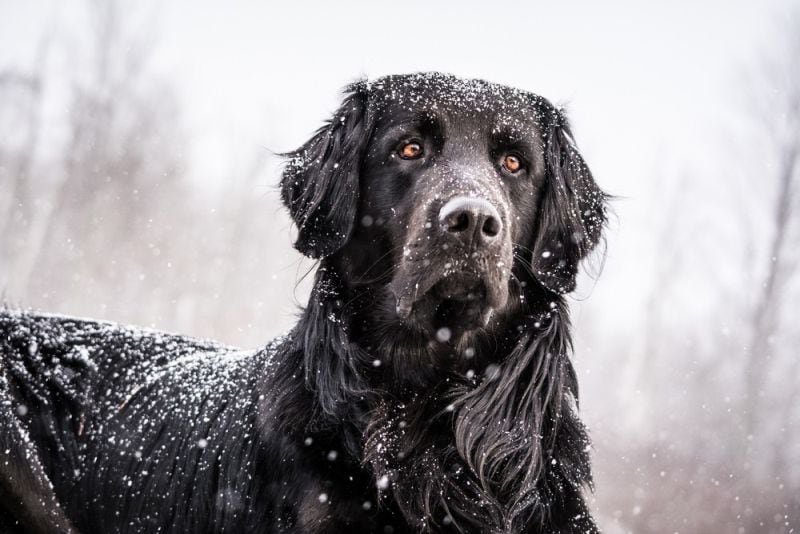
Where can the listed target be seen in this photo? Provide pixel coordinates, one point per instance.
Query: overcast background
(137, 183)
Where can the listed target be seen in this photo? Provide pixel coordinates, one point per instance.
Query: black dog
(426, 387)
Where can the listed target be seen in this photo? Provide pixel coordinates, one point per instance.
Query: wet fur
(429, 445)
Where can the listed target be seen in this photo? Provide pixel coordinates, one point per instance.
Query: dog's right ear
(320, 184)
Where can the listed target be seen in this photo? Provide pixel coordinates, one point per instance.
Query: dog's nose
(471, 220)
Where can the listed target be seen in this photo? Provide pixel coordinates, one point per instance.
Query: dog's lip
(472, 286)
(410, 292)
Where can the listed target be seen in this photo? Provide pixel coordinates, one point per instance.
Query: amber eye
(512, 163)
(411, 150)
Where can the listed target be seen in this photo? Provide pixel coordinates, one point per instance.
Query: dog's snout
(471, 220)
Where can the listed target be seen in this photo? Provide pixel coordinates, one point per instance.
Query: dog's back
(126, 417)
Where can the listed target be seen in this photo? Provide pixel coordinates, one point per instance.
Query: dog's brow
(410, 124)
(505, 133)
(507, 137)
(409, 119)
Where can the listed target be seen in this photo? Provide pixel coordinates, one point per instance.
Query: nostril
(458, 222)
(491, 227)
(470, 219)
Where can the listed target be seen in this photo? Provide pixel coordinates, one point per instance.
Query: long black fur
(353, 422)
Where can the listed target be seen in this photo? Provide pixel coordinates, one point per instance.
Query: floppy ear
(572, 211)
(320, 182)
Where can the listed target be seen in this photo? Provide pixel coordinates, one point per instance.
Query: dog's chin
(455, 305)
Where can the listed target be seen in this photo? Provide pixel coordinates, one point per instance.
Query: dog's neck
(481, 436)
(370, 352)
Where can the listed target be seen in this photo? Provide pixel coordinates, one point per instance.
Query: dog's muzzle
(461, 274)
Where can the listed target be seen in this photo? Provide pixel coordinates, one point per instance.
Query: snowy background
(138, 184)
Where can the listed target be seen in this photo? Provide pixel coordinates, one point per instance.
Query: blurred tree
(714, 391)
(777, 111)
(20, 128)
(103, 222)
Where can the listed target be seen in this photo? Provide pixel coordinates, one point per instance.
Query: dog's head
(449, 194)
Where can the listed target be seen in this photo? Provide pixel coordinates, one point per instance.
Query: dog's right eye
(410, 150)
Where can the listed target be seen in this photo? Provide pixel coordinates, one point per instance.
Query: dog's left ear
(572, 210)
(320, 184)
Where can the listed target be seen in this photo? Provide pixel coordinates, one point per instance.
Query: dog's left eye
(410, 150)
(512, 163)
